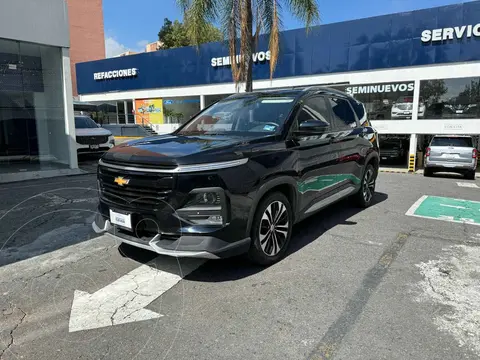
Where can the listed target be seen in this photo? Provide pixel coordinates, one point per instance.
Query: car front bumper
(192, 245)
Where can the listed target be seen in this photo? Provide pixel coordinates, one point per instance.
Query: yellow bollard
(411, 163)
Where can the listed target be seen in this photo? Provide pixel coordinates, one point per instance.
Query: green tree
(471, 93)
(173, 35)
(244, 20)
(165, 30)
(433, 90)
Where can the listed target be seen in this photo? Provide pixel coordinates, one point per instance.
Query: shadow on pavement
(304, 233)
(89, 162)
(449, 176)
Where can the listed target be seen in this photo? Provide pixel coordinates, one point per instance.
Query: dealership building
(418, 74)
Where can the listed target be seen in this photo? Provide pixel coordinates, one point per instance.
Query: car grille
(92, 140)
(145, 191)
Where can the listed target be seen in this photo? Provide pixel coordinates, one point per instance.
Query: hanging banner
(149, 110)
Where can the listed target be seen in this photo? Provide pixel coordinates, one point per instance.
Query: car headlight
(111, 140)
(204, 207)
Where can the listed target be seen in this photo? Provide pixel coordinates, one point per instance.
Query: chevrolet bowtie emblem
(121, 181)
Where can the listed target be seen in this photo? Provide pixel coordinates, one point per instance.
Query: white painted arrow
(453, 206)
(123, 301)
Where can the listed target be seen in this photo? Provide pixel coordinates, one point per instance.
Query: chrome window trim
(181, 168)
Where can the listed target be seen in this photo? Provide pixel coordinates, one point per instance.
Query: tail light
(474, 153)
(428, 152)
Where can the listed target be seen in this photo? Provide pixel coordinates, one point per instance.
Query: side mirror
(313, 126)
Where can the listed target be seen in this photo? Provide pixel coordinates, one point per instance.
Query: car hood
(93, 132)
(171, 150)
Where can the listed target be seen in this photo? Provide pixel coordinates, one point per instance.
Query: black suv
(239, 175)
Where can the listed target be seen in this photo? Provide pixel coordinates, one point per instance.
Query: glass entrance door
(121, 112)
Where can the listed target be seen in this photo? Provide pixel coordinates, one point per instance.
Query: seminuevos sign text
(379, 88)
(226, 61)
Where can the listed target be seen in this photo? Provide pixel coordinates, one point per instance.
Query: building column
(135, 111)
(416, 100)
(68, 109)
(202, 102)
(412, 153)
(125, 110)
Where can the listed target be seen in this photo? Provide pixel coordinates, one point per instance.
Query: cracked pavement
(349, 288)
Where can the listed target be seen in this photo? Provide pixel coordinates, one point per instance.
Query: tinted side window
(343, 116)
(359, 109)
(314, 108)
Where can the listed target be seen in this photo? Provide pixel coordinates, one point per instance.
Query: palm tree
(238, 19)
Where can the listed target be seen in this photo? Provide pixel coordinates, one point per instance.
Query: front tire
(364, 196)
(271, 230)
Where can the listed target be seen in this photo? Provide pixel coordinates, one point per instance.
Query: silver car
(451, 153)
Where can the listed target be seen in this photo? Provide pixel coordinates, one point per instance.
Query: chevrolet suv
(237, 176)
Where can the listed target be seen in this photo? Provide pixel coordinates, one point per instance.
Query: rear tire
(427, 172)
(271, 230)
(470, 175)
(364, 196)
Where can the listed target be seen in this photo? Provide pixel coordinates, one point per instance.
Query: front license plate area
(94, 147)
(123, 220)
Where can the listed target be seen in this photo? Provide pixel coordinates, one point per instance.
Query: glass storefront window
(104, 112)
(451, 98)
(210, 99)
(179, 110)
(32, 121)
(385, 101)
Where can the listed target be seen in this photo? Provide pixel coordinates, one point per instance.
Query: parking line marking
(416, 204)
(467, 185)
(446, 209)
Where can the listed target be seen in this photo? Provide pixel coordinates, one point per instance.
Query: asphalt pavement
(356, 284)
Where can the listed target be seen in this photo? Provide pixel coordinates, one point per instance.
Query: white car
(403, 108)
(91, 137)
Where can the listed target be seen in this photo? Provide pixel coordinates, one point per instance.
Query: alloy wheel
(274, 228)
(368, 186)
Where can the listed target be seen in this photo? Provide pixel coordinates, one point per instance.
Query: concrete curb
(394, 171)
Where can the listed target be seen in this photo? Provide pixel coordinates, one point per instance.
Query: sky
(131, 24)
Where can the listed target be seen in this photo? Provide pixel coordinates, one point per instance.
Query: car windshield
(248, 116)
(452, 141)
(84, 122)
